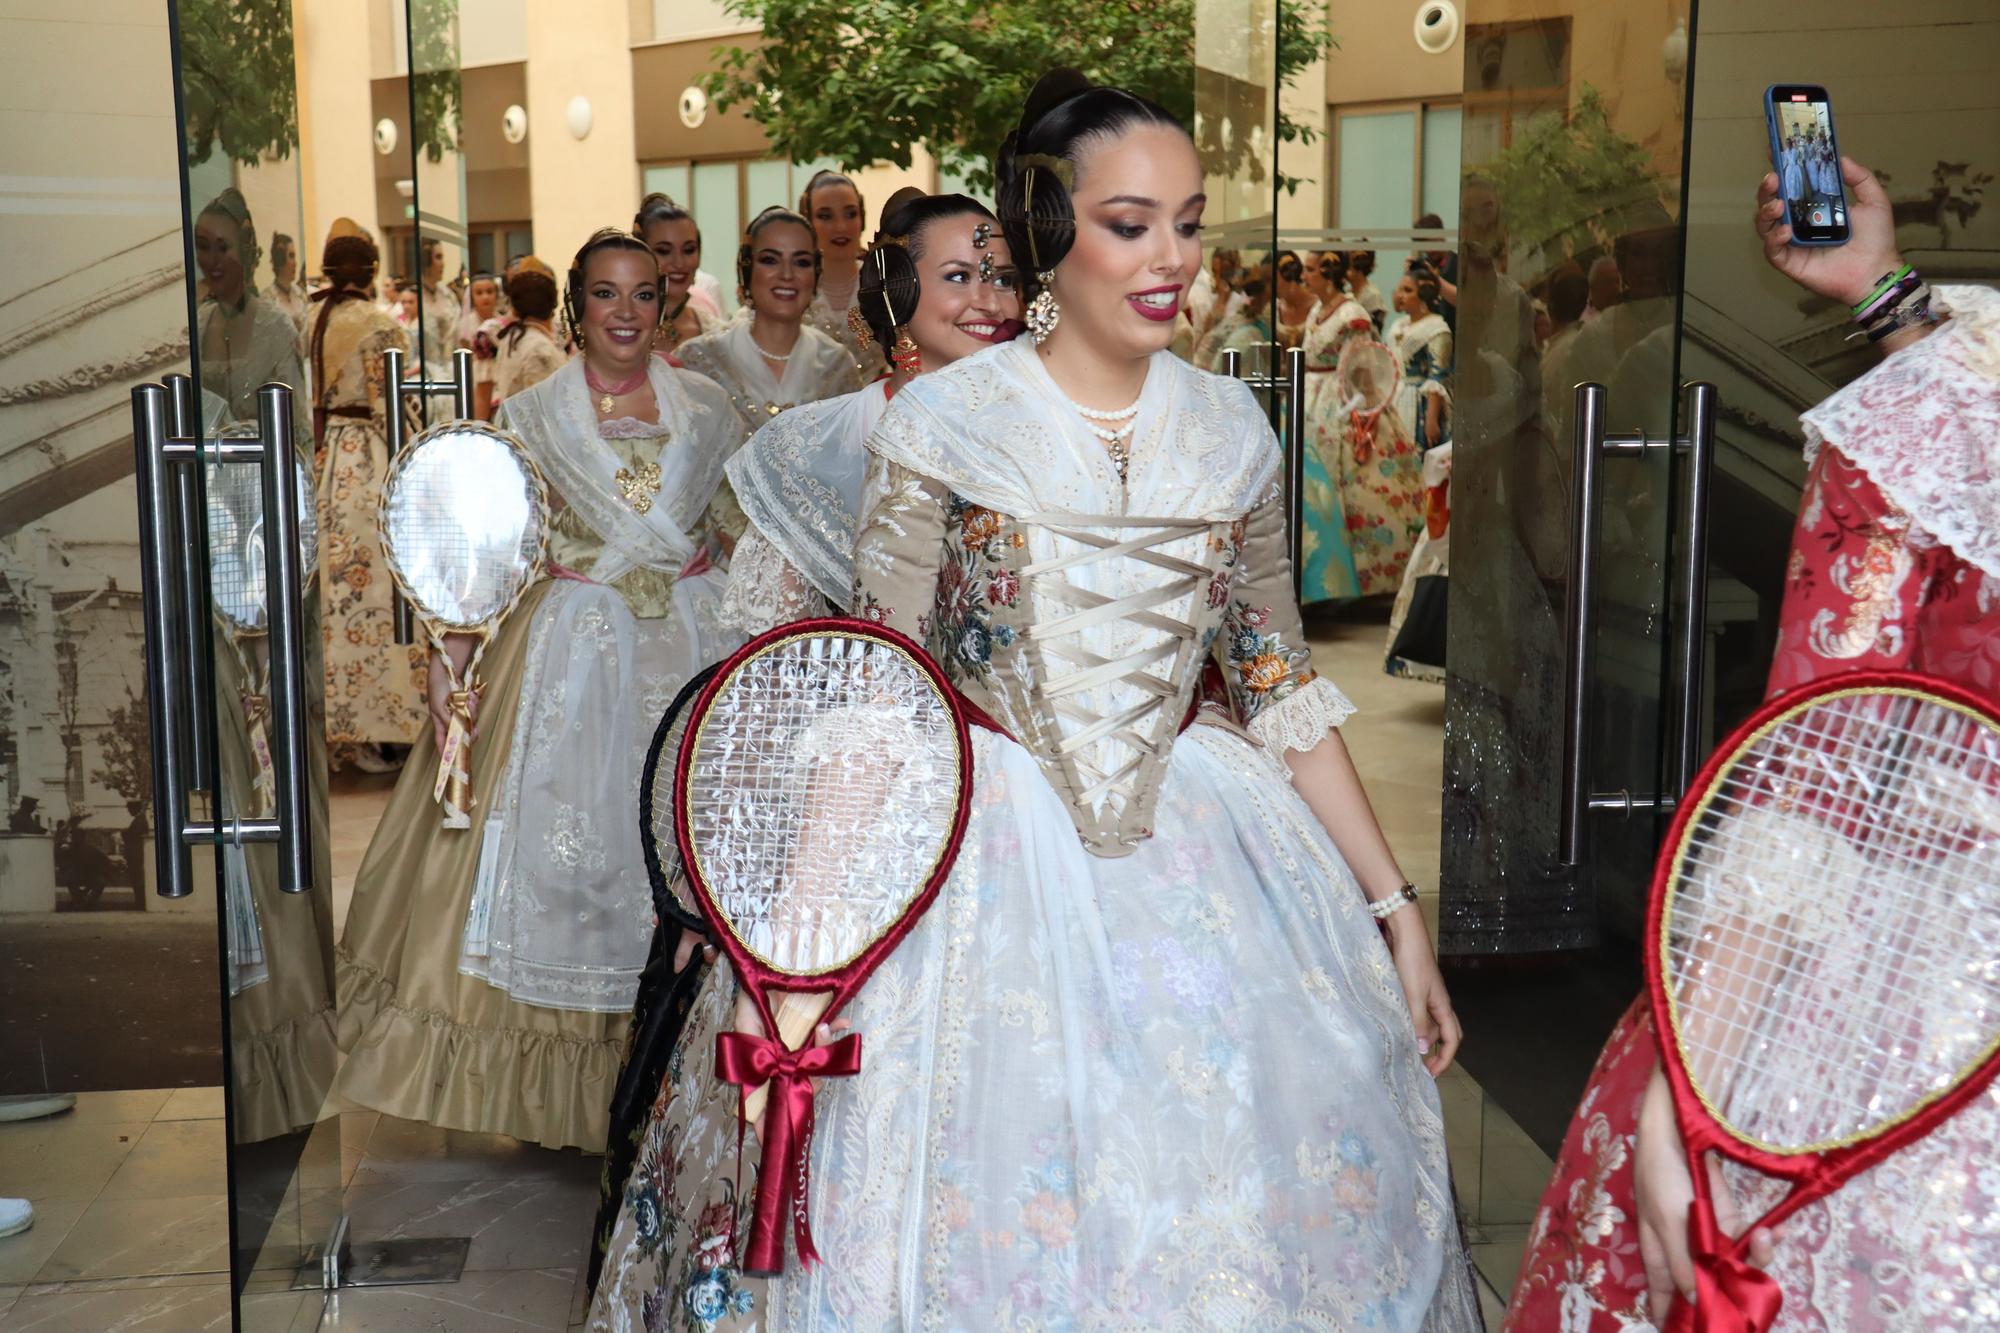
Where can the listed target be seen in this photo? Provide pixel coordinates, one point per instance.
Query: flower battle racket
(1366, 378)
(1823, 958)
(820, 793)
(464, 523)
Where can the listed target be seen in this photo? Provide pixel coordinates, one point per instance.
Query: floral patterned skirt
(374, 685)
(1177, 1089)
(1910, 1246)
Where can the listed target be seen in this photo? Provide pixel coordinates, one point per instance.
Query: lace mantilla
(799, 481)
(765, 589)
(1301, 719)
(1925, 426)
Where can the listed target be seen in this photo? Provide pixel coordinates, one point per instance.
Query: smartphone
(1807, 160)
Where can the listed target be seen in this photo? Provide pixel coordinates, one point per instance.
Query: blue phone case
(1771, 130)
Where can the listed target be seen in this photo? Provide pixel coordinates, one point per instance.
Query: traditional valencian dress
(818, 368)
(1145, 1062)
(799, 483)
(837, 325)
(1369, 464)
(486, 977)
(1895, 565)
(1423, 347)
(374, 685)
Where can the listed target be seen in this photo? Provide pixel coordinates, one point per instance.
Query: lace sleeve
(765, 589)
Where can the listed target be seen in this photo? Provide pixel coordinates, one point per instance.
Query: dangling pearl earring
(1043, 312)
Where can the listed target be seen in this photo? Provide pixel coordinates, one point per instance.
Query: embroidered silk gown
(1895, 565)
(374, 685)
(486, 975)
(1082, 1102)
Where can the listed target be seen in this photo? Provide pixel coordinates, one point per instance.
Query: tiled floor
(132, 1226)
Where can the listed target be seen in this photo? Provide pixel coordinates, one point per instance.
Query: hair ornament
(1063, 169)
(981, 234)
(986, 267)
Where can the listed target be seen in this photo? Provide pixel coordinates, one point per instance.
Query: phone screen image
(1807, 162)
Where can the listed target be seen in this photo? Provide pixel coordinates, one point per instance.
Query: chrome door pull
(1590, 446)
(157, 457)
(185, 424)
(1293, 440)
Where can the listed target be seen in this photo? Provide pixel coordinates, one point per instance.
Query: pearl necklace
(768, 356)
(1114, 435)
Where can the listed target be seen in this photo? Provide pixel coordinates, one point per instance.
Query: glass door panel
(244, 221)
(1573, 138)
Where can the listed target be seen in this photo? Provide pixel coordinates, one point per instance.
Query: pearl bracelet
(1384, 908)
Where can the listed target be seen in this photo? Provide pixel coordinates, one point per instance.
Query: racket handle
(797, 1014)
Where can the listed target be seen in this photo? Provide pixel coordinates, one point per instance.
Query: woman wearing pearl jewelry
(773, 359)
(1146, 1062)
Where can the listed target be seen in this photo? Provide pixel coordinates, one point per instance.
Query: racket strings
(462, 519)
(235, 503)
(822, 787)
(1830, 938)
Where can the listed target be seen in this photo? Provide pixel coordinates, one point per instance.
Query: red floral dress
(1865, 589)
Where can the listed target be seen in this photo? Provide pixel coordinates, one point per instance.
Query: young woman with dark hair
(772, 359)
(1083, 1102)
(832, 203)
(486, 976)
(670, 232)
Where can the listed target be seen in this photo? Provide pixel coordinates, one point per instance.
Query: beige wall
(577, 186)
(1379, 59)
(336, 121)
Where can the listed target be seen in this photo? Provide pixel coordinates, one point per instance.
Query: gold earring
(1043, 312)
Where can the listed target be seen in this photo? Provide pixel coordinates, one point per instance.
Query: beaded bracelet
(1912, 309)
(1384, 908)
(1883, 286)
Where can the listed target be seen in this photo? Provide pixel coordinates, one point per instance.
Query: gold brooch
(639, 487)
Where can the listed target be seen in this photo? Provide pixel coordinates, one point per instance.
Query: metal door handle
(459, 386)
(185, 424)
(1589, 446)
(1293, 382)
(157, 458)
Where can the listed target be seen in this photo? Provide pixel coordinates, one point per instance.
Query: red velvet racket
(819, 797)
(1824, 950)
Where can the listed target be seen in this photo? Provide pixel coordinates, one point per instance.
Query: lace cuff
(1302, 718)
(764, 589)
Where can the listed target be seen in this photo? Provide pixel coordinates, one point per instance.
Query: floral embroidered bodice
(1077, 612)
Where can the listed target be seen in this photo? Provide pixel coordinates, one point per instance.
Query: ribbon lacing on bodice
(1147, 727)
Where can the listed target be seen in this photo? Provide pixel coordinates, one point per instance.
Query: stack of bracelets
(1901, 300)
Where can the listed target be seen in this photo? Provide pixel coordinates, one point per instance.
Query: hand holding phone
(1807, 163)
(1844, 273)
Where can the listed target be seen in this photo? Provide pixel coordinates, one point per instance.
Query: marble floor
(132, 1219)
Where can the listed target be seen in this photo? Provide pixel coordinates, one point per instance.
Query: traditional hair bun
(348, 261)
(1035, 169)
(890, 286)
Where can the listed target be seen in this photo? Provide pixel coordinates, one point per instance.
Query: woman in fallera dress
(486, 975)
(937, 285)
(675, 240)
(1336, 319)
(832, 203)
(945, 288)
(772, 359)
(374, 685)
(1083, 1105)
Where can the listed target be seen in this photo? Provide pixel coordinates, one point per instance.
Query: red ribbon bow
(750, 1062)
(1731, 1295)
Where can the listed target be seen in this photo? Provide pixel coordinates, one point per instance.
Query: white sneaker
(35, 1106)
(16, 1216)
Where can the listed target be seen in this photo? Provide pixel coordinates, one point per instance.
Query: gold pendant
(606, 403)
(639, 487)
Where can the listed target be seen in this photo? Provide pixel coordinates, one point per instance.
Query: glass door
(1566, 714)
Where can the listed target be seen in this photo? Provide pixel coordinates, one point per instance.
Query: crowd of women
(1082, 1104)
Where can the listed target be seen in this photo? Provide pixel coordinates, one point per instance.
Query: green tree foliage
(864, 81)
(1573, 184)
(125, 758)
(239, 85)
(240, 82)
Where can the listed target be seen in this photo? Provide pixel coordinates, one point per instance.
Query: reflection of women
(286, 291)
(832, 204)
(941, 289)
(1153, 935)
(485, 977)
(246, 341)
(1423, 347)
(1895, 564)
(1295, 300)
(774, 360)
(1327, 561)
(526, 352)
(374, 685)
(675, 239)
(939, 284)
